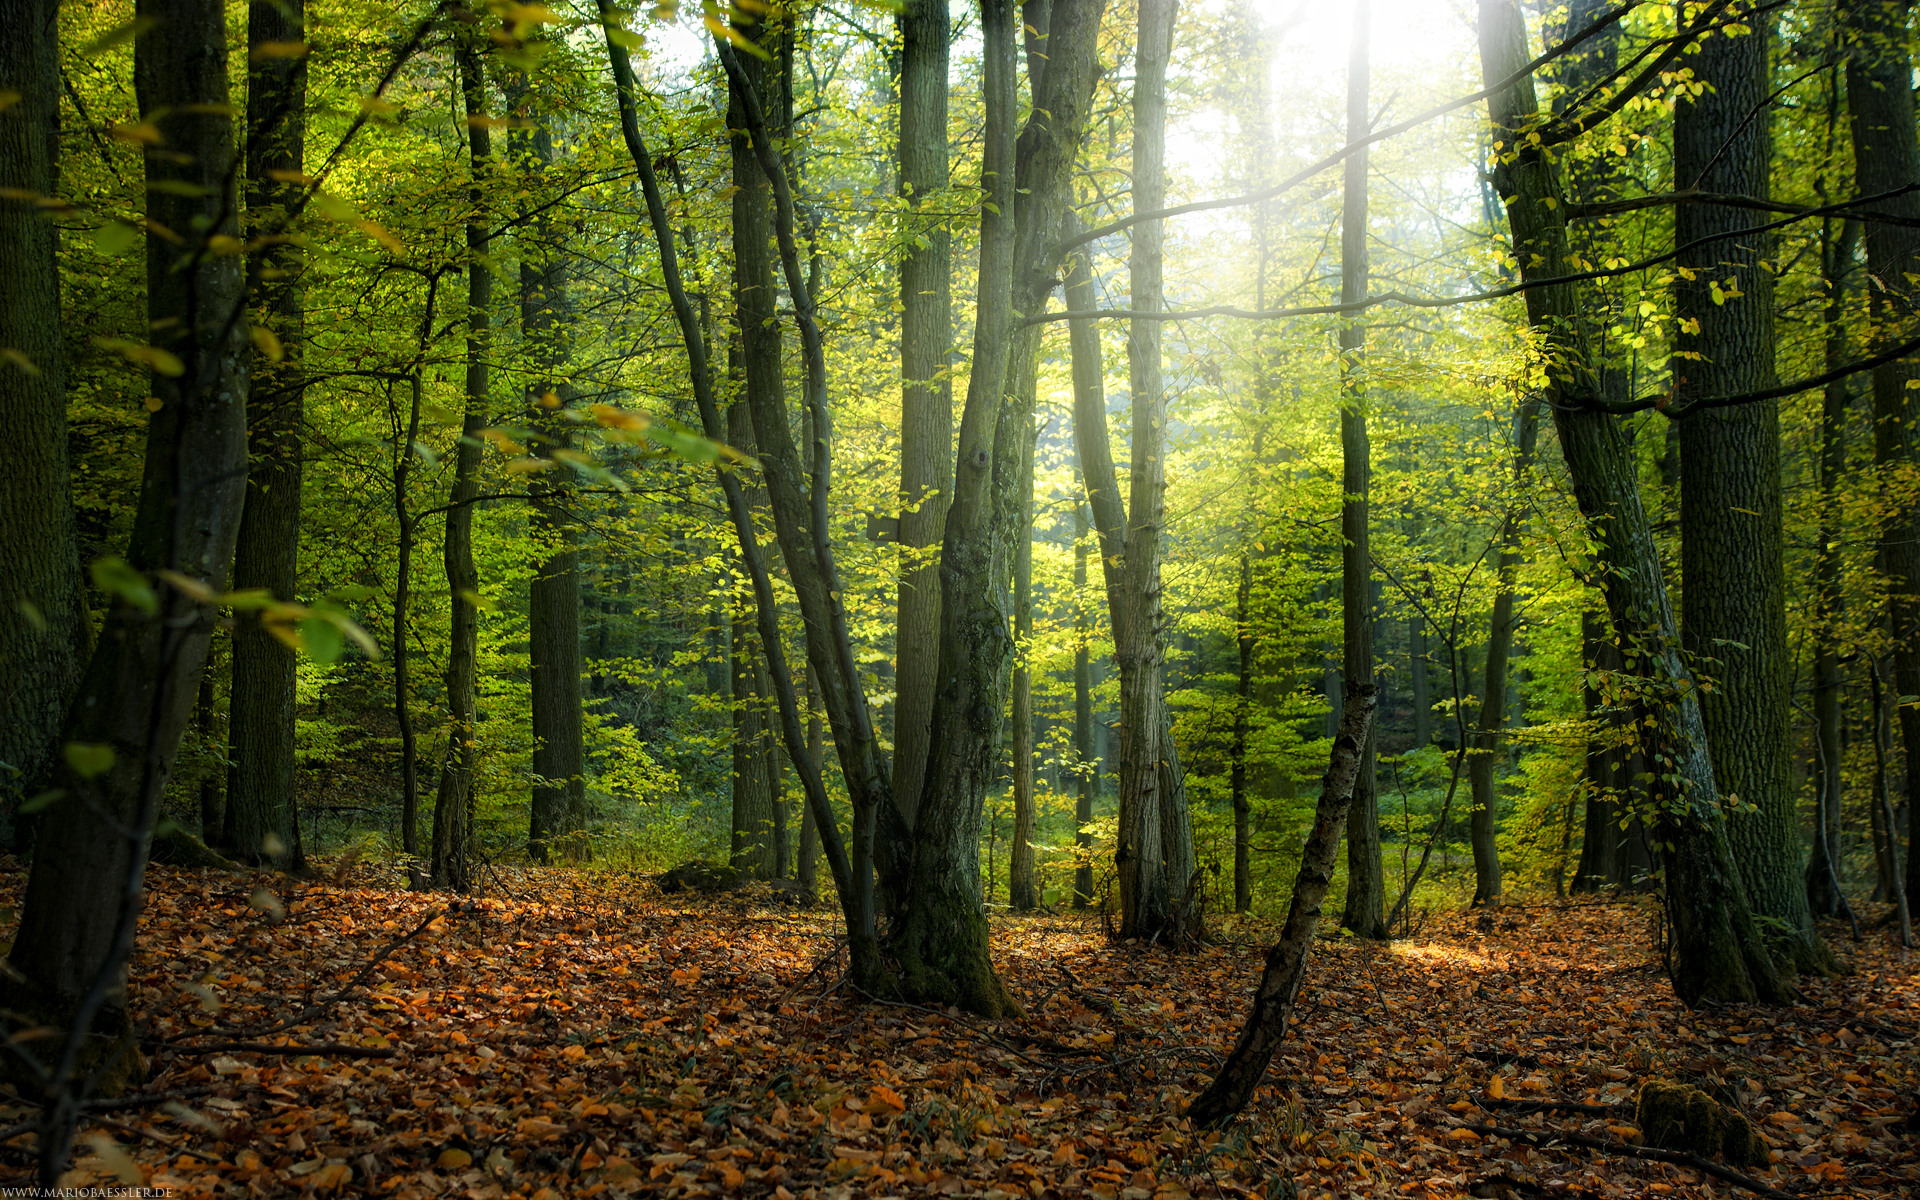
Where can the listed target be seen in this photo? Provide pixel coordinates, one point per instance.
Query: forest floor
(579, 1034)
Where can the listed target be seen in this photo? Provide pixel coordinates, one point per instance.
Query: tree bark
(926, 388)
(1886, 156)
(1824, 895)
(1023, 889)
(260, 777)
(1286, 967)
(1733, 618)
(123, 727)
(1366, 880)
(1485, 741)
(45, 634)
(1717, 949)
(1242, 699)
(1086, 766)
(450, 862)
(553, 595)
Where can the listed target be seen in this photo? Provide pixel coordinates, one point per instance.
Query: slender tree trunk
(1417, 672)
(1718, 952)
(1601, 830)
(260, 777)
(450, 862)
(816, 749)
(926, 390)
(1366, 880)
(1023, 889)
(1286, 967)
(1485, 741)
(1886, 155)
(1733, 618)
(212, 817)
(45, 635)
(1892, 882)
(402, 649)
(1242, 699)
(1824, 895)
(553, 594)
(83, 894)
(1086, 766)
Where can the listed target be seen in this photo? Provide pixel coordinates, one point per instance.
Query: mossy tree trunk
(1718, 952)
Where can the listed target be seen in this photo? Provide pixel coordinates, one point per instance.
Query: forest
(1034, 598)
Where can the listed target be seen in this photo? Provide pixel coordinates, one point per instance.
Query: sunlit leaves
(161, 362)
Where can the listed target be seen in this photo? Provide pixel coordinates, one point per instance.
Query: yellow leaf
(1497, 1088)
(267, 343)
(453, 1159)
(619, 418)
(378, 233)
(267, 50)
(19, 360)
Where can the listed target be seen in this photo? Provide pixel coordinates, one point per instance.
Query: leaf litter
(582, 1034)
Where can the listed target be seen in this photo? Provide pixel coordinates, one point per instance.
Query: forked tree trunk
(450, 862)
(1485, 740)
(1286, 967)
(260, 777)
(1717, 949)
(1886, 155)
(926, 388)
(1733, 617)
(1366, 880)
(122, 730)
(45, 634)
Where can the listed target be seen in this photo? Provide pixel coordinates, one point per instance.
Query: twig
(1678, 1158)
(319, 1006)
(170, 1143)
(322, 1049)
(1521, 1107)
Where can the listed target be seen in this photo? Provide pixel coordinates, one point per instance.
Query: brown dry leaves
(586, 1036)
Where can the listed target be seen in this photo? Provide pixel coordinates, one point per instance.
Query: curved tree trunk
(1086, 768)
(45, 634)
(1717, 949)
(1023, 889)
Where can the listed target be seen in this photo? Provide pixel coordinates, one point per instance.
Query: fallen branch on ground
(1541, 1137)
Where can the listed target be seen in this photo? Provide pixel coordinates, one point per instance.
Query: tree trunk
(1023, 889)
(1733, 618)
(45, 634)
(1485, 741)
(122, 730)
(926, 389)
(1601, 829)
(406, 433)
(1886, 156)
(762, 374)
(1242, 699)
(1366, 881)
(1286, 967)
(1824, 895)
(1086, 766)
(450, 862)
(260, 777)
(1417, 672)
(1886, 831)
(553, 594)
(1717, 949)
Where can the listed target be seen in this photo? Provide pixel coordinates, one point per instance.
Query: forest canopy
(1162, 466)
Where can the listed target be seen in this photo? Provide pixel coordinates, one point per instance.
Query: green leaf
(45, 799)
(323, 639)
(88, 759)
(114, 577)
(115, 238)
(120, 36)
